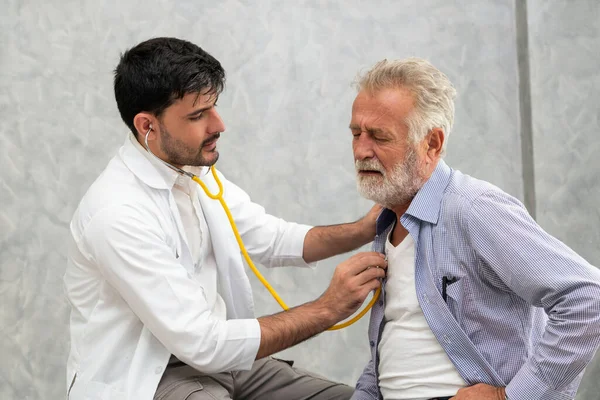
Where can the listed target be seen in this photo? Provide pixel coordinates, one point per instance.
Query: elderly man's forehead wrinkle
(375, 115)
(382, 113)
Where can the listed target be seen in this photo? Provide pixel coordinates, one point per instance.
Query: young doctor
(161, 304)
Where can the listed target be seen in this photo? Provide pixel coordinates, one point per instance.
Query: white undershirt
(198, 239)
(412, 364)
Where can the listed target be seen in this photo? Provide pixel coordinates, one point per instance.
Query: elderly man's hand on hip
(480, 391)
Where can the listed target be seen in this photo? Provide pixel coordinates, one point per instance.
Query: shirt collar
(150, 170)
(426, 203)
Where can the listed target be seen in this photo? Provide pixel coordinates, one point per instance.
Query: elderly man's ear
(435, 144)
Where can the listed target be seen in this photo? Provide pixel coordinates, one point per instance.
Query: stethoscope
(219, 196)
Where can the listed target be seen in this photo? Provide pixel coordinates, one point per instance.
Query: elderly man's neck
(400, 210)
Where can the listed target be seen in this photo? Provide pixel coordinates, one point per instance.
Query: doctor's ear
(143, 123)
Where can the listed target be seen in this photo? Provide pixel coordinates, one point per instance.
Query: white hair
(432, 90)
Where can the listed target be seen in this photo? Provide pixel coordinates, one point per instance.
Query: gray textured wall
(286, 107)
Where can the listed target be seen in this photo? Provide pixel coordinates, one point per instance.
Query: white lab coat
(130, 281)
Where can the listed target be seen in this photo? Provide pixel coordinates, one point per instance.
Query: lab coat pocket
(96, 391)
(71, 385)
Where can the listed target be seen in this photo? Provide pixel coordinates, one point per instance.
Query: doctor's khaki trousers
(269, 379)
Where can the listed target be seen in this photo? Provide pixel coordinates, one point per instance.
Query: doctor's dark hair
(154, 74)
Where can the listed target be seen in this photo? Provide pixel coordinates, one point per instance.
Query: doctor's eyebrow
(199, 111)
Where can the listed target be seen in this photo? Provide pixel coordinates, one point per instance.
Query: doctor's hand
(352, 282)
(367, 223)
(480, 391)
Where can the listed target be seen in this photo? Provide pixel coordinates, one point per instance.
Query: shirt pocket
(455, 297)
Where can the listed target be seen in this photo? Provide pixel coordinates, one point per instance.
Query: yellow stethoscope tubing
(261, 278)
(238, 238)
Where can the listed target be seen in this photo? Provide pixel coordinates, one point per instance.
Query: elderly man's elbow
(589, 305)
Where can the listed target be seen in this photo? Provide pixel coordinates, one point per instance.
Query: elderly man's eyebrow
(356, 127)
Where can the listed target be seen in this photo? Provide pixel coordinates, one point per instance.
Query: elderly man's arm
(546, 273)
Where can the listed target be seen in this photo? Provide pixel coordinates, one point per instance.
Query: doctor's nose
(216, 123)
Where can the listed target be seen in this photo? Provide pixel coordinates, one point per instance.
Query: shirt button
(426, 298)
(158, 370)
(447, 339)
(372, 343)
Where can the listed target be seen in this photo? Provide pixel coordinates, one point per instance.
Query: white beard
(393, 189)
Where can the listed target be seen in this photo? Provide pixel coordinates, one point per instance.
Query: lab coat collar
(149, 170)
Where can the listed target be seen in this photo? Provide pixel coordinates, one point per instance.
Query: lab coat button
(158, 370)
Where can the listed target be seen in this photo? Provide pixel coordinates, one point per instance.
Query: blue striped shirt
(524, 310)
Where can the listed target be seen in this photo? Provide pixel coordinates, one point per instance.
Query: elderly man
(479, 302)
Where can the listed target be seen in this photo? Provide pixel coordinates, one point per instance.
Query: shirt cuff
(303, 231)
(249, 331)
(295, 235)
(525, 385)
